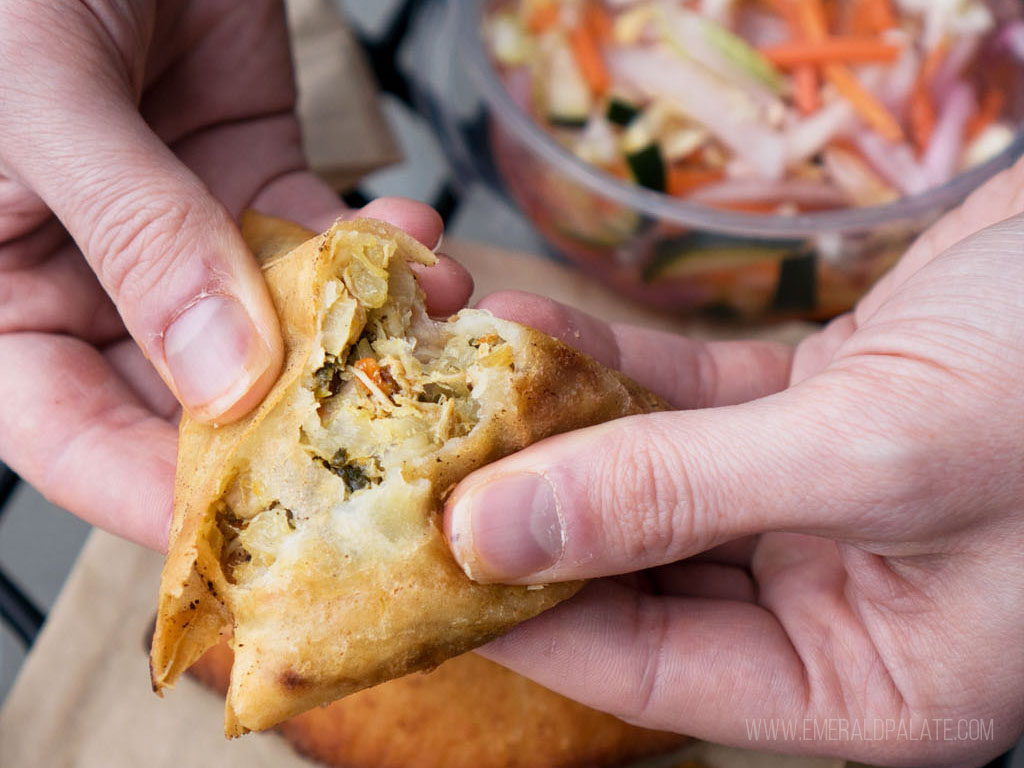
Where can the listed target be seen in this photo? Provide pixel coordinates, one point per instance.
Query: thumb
(166, 251)
(649, 490)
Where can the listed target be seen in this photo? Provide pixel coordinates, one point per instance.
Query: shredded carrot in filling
(379, 376)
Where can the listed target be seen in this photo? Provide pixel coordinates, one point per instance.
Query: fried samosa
(467, 713)
(311, 528)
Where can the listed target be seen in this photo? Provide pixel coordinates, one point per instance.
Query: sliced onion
(894, 84)
(809, 135)
(723, 110)
(942, 157)
(895, 162)
(688, 34)
(719, 11)
(1012, 37)
(802, 192)
(861, 183)
(761, 29)
(959, 56)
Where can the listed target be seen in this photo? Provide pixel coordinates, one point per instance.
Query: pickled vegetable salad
(770, 106)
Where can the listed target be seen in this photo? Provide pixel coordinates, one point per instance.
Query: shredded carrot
(806, 82)
(922, 113)
(598, 21)
(922, 116)
(542, 17)
(374, 373)
(871, 109)
(933, 61)
(872, 17)
(619, 169)
(684, 179)
(806, 89)
(832, 50)
(588, 57)
(811, 19)
(991, 108)
(749, 206)
(874, 112)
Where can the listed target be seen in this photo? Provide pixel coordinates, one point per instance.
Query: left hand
(132, 135)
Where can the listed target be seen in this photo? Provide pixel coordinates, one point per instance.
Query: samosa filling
(385, 387)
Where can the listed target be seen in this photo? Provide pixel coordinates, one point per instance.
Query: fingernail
(514, 529)
(440, 239)
(214, 355)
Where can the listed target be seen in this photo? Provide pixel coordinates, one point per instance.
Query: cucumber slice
(682, 142)
(743, 55)
(798, 283)
(567, 121)
(648, 167)
(695, 253)
(621, 112)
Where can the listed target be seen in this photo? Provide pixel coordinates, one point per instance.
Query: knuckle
(136, 241)
(647, 497)
(645, 704)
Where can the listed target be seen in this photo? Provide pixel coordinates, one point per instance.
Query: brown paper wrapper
(343, 131)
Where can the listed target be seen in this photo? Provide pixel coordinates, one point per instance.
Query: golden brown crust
(467, 713)
(328, 625)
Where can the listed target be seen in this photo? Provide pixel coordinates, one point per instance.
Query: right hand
(827, 535)
(132, 135)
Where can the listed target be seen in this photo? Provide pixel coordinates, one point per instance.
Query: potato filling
(386, 386)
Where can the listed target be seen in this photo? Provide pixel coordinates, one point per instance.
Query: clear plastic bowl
(682, 256)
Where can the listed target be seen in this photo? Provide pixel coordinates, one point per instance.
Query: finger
(710, 581)
(221, 154)
(129, 364)
(55, 292)
(687, 373)
(817, 350)
(713, 669)
(737, 552)
(73, 429)
(417, 219)
(447, 285)
(258, 163)
(165, 250)
(649, 490)
(655, 661)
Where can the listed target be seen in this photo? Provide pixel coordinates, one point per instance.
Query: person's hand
(881, 470)
(132, 134)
